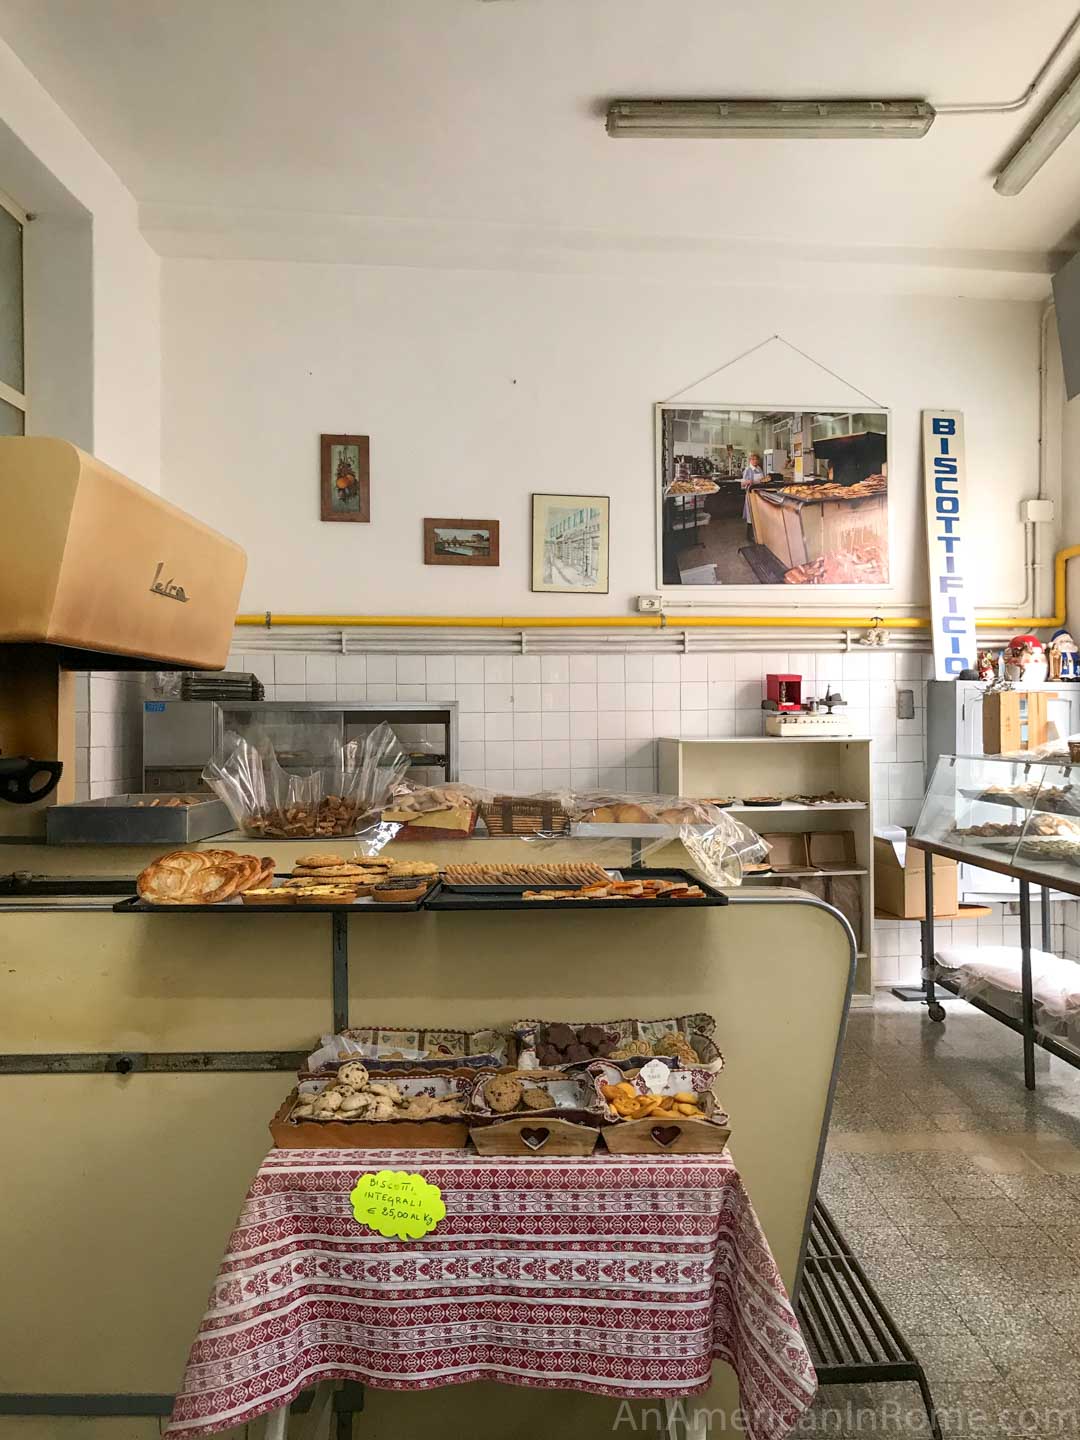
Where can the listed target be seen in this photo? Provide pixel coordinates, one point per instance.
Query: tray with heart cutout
(571, 1126)
(664, 1134)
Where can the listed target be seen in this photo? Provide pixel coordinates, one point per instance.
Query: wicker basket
(515, 815)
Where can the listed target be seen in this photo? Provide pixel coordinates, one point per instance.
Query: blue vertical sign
(950, 553)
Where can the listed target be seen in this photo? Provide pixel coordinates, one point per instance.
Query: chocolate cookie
(503, 1093)
(561, 1036)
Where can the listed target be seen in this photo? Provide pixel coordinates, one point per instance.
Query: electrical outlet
(650, 603)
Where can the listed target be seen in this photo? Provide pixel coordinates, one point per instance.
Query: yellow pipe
(655, 622)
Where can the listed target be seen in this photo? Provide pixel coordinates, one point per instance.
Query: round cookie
(354, 1073)
(538, 1099)
(503, 1093)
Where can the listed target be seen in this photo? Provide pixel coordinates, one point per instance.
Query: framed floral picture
(346, 479)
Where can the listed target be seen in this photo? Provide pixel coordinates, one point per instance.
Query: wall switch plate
(905, 704)
(651, 603)
(1037, 512)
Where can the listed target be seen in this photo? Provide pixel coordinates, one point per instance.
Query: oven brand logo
(952, 607)
(167, 588)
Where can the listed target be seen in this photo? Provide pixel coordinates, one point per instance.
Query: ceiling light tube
(1056, 125)
(769, 119)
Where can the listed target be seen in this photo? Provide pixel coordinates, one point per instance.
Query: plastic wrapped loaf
(341, 797)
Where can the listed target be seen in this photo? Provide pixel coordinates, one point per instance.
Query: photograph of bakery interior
(496, 999)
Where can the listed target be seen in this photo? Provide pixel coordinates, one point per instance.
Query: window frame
(18, 398)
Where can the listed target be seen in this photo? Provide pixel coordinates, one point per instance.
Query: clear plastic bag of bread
(341, 797)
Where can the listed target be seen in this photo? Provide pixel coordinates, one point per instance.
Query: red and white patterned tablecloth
(623, 1275)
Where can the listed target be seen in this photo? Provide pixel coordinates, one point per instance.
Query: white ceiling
(462, 113)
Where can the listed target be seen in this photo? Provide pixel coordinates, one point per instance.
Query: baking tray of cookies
(363, 904)
(413, 1127)
(532, 1112)
(509, 897)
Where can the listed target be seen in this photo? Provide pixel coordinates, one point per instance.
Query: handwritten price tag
(397, 1204)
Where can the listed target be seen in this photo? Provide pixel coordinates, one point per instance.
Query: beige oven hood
(106, 571)
(96, 573)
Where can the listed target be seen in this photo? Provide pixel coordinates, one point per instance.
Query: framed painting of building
(570, 544)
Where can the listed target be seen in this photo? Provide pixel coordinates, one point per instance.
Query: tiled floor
(960, 1192)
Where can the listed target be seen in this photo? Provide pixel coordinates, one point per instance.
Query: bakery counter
(127, 1184)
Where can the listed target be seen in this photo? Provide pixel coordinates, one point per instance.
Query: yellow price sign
(394, 1202)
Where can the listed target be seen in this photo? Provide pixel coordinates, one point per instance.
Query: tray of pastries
(676, 1040)
(529, 1112)
(354, 1110)
(676, 1116)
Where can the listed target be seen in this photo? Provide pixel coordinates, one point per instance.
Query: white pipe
(1026, 97)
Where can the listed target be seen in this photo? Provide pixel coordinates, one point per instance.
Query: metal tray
(510, 898)
(363, 906)
(118, 820)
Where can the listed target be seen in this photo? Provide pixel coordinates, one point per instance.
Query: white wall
(97, 356)
(479, 387)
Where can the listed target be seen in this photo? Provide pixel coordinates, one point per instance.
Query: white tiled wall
(108, 733)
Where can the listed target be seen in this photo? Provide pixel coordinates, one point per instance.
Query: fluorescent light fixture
(1056, 125)
(769, 119)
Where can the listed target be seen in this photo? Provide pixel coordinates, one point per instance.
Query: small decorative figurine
(987, 666)
(1025, 660)
(1064, 656)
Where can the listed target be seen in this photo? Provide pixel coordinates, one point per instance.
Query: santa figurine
(1064, 656)
(1025, 660)
(987, 667)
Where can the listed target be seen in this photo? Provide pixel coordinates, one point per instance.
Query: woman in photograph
(751, 476)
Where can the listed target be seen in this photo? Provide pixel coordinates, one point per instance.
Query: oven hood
(103, 572)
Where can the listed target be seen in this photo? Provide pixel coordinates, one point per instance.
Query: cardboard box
(899, 879)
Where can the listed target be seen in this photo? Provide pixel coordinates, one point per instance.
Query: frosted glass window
(11, 302)
(11, 420)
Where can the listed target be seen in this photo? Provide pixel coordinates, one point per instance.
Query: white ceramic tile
(665, 668)
(721, 694)
(909, 747)
(499, 754)
(527, 754)
(886, 942)
(82, 728)
(856, 666)
(326, 692)
(498, 697)
(611, 752)
(556, 777)
(469, 669)
(749, 666)
(641, 754)
(584, 777)
(411, 670)
(611, 724)
(527, 781)
(667, 723)
(883, 746)
(611, 695)
(857, 694)
(639, 667)
(915, 726)
(829, 670)
(879, 780)
(722, 667)
(527, 725)
(299, 692)
(639, 695)
(610, 669)
(349, 669)
(640, 781)
(721, 723)
(554, 697)
(500, 780)
(693, 695)
(555, 724)
(526, 669)
(614, 778)
(640, 723)
(469, 697)
(440, 670)
(583, 724)
(582, 669)
(555, 752)
(473, 777)
(471, 754)
(526, 697)
(804, 664)
(693, 667)
(555, 669)
(694, 723)
(748, 695)
(583, 752)
(904, 812)
(882, 664)
(582, 697)
(499, 725)
(859, 718)
(471, 726)
(498, 670)
(911, 666)
(747, 722)
(291, 669)
(666, 695)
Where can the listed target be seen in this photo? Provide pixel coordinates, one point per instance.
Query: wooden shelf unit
(768, 765)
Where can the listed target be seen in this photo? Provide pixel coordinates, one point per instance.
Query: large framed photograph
(345, 491)
(772, 496)
(570, 544)
(461, 542)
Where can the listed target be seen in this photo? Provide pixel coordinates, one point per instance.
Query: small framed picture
(570, 543)
(461, 542)
(346, 478)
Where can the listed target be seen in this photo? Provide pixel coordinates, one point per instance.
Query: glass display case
(1008, 814)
